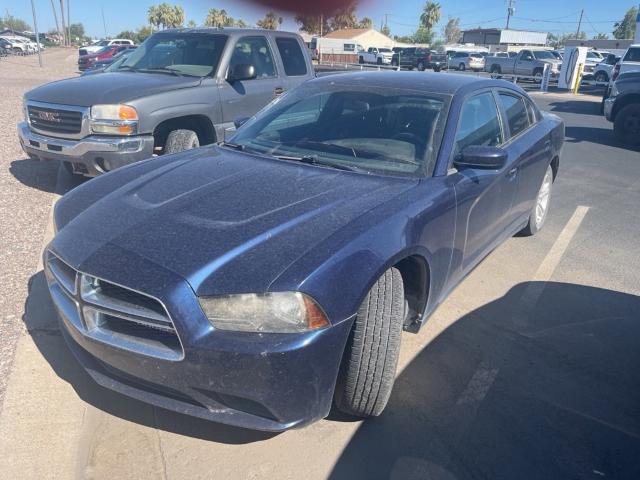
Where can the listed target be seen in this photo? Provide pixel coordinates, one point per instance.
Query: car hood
(212, 215)
(115, 87)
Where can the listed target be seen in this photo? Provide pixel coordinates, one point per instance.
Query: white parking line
(485, 375)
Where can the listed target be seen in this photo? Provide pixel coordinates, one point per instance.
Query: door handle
(279, 90)
(512, 173)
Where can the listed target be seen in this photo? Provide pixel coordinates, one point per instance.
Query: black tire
(369, 363)
(421, 66)
(181, 140)
(537, 75)
(379, 61)
(436, 69)
(462, 67)
(601, 77)
(626, 126)
(394, 63)
(360, 60)
(534, 225)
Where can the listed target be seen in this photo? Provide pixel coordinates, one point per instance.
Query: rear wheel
(462, 67)
(421, 66)
(379, 61)
(369, 363)
(360, 60)
(181, 140)
(538, 214)
(627, 124)
(602, 77)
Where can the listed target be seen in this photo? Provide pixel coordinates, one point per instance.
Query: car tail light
(616, 72)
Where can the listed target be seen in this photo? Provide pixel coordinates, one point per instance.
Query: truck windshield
(192, 54)
(544, 55)
(367, 129)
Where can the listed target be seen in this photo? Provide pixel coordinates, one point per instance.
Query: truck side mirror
(238, 122)
(241, 71)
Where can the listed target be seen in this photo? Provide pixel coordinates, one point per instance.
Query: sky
(402, 15)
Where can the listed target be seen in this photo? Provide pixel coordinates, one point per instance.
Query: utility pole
(64, 28)
(55, 17)
(68, 23)
(579, 23)
(104, 24)
(511, 10)
(35, 27)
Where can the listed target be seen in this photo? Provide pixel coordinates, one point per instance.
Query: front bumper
(89, 156)
(269, 382)
(608, 108)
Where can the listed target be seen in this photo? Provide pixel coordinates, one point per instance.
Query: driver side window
(479, 124)
(254, 51)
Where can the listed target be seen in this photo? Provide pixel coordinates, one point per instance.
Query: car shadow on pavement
(579, 107)
(552, 391)
(602, 136)
(48, 176)
(41, 322)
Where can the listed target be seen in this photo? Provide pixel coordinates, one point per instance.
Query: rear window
(633, 55)
(517, 115)
(292, 57)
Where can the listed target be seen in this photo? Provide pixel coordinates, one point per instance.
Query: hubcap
(542, 203)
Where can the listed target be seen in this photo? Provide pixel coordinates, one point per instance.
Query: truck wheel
(181, 140)
(537, 76)
(538, 214)
(360, 60)
(369, 364)
(421, 66)
(379, 61)
(602, 77)
(462, 67)
(627, 124)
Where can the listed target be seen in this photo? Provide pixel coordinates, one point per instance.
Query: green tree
(12, 23)
(345, 17)
(422, 35)
(142, 34)
(270, 21)
(192, 24)
(127, 34)
(365, 22)
(77, 31)
(626, 28)
(601, 36)
(451, 31)
(430, 16)
(166, 15)
(311, 24)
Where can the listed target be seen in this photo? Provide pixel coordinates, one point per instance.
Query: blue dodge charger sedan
(258, 281)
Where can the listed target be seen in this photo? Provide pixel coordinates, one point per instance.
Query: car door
(529, 150)
(484, 197)
(292, 62)
(524, 63)
(243, 98)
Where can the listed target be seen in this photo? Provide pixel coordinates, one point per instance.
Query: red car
(88, 61)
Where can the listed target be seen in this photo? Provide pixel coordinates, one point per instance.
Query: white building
(503, 40)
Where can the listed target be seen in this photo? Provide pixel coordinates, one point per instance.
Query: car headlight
(114, 119)
(280, 312)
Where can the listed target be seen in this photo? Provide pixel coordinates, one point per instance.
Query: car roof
(443, 83)
(228, 30)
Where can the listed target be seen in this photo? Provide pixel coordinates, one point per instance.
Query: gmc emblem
(49, 116)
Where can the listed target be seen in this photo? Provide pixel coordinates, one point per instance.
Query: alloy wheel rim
(542, 202)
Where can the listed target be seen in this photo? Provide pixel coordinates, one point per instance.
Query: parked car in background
(5, 47)
(256, 282)
(412, 57)
(379, 56)
(106, 53)
(93, 48)
(466, 61)
(438, 62)
(17, 46)
(630, 60)
(525, 63)
(180, 89)
(502, 54)
(104, 65)
(603, 71)
(557, 53)
(622, 107)
(593, 59)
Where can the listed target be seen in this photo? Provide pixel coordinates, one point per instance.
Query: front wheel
(626, 126)
(538, 214)
(368, 368)
(537, 76)
(379, 61)
(421, 66)
(602, 77)
(181, 140)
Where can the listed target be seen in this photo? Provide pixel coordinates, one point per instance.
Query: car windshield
(193, 54)
(102, 43)
(544, 55)
(475, 55)
(384, 50)
(593, 56)
(372, 129)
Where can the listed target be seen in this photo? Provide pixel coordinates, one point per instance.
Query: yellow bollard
(578, 79)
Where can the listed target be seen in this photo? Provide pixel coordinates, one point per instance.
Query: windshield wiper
(167, 71)
(128, 67)
(235, 146)
(314, 160)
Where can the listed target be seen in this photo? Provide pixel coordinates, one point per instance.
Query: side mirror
(241, 71)
(238, 122)
(483, 158)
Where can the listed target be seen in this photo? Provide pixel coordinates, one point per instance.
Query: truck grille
(110, 313)
(55, 120)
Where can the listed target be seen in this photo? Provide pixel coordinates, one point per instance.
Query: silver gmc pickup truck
(180, 89)
(526, 63)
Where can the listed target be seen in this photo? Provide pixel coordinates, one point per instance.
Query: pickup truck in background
(181, 89)
(622, 107)
(379, 56)
(527, 63)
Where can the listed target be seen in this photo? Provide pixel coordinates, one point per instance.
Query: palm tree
(270, 21)
(430, 15)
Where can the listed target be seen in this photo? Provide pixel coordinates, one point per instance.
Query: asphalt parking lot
(529, 370)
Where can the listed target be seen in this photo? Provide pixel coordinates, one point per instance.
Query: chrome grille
(55, 120)
(110, 313)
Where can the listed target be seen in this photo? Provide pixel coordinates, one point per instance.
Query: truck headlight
(280, 312)
(114, 119)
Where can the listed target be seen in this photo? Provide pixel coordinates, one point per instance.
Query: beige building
(366, 37)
